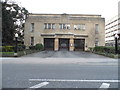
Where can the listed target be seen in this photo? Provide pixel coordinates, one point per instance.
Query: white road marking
(63, 80)
(105, 85)
(40, 85)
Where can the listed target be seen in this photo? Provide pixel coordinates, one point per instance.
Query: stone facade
(74, 27)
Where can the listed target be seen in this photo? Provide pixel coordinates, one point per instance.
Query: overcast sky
(107, 8)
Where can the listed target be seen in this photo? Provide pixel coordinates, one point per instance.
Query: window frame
(96, 41)
(32, 27)
(49, 26)
(32, 41)
(64, 26)
(79, 26)
(96, 28)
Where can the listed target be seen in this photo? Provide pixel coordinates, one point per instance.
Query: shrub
(7, 48)
(32, 47)
(103, 49)
(21, 47)
(39, 47)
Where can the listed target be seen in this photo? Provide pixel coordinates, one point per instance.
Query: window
(49, 26)
(45, 26)
(96, 28)
(53, 26)
(64, 26)
(96, 41)
(32, 27)
(79, 27)
(32, 41)
(83, 26)
(60, 26)
(75, 27)
(68, 26)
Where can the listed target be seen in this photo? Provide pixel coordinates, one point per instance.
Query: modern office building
(112, 28)
(65, 31)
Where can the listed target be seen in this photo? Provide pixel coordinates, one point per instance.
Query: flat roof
(72, 15)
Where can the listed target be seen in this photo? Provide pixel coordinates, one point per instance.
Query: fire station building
(65, 31)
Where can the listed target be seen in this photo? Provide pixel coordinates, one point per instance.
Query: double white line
(105, 83)
(63, 80)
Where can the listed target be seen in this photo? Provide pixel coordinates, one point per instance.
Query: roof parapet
(71, 15)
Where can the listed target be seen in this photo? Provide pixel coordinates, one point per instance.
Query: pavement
(80, 61)
(49, 69)
(64, 54)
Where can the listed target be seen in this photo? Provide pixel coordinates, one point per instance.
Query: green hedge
(20, 53)
(37, 47)
(8, 51)
(20, 47)
(7, 54)
(7, 48)
(103, 49)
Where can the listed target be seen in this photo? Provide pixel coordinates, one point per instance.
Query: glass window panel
(32, 27)
(49, 26)
(83, 26)
(75, 27)
(60, 26)
(53, 26)
(32, 41)
(68, 26)
(64, 26)
(45, 26)
(79, 27)
(96, 28)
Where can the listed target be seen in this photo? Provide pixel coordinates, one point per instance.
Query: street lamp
(116, 43)
(16, 36)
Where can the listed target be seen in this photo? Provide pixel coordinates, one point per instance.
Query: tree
(7, 26)
(13, 20)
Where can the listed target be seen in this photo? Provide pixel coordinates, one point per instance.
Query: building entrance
(49, 43)
(63, 44)
(79, 44)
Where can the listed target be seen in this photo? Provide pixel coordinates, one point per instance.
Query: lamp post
(16, 36)
(116, 43)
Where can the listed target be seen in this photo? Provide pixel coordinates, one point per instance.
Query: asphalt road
(51, 72)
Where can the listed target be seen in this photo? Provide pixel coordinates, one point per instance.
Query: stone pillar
(56, 44)
(71, 46)
(86, 45)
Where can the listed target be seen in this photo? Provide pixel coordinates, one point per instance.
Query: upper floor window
(64, 26)
(49, 26)
(79, 27)
(96, 28)
(32, 27)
